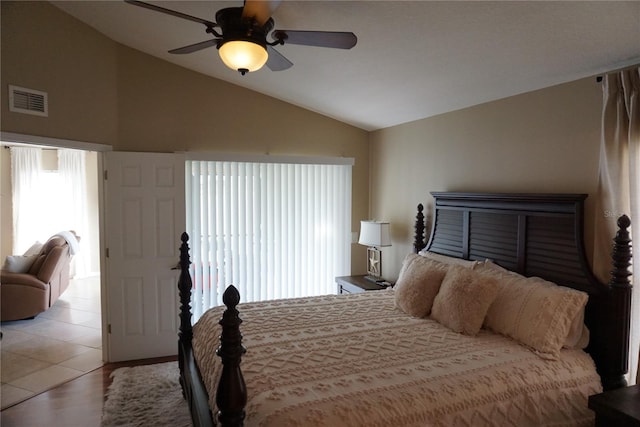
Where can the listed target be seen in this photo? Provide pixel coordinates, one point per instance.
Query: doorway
(65, 341)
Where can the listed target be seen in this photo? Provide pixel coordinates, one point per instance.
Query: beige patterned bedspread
(356, 360)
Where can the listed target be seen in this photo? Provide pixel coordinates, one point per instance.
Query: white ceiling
(414, 59)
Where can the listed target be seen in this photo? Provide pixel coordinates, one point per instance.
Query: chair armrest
(9, 278)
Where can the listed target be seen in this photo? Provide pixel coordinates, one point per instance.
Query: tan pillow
(33, 249)
(445, 259)
(418, 284)
(535, 312)
(463, 300)
(578, 336)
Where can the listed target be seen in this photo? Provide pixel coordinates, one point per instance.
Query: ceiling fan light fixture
(242, 55)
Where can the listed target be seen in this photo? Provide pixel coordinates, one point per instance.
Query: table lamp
(374, 234)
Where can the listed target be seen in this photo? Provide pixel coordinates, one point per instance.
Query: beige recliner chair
(24, 295)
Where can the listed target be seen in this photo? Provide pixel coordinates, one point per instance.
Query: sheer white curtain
(46, 202)
(274, 230)
(619, 185)
(26, 166)
(73, 198)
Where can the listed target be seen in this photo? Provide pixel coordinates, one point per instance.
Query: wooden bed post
(184, 287)
(418, 240)
(619, 308)
(231, 396)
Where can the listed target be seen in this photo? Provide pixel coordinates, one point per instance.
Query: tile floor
(56, 346)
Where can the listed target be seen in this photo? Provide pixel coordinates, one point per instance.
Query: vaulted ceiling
(413, 59)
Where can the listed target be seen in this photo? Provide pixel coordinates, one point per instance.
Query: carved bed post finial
(418, 241)
(231, 396)
(619, 308)
(621, 254)
(184, 288)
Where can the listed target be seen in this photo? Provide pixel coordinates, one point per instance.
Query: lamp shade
(243, 55)
(374, 233)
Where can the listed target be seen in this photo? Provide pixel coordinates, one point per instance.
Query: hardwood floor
(75, 403)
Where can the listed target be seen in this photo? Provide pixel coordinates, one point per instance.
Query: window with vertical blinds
(274, 230)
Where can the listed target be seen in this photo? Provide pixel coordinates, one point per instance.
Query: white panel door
(144, 217)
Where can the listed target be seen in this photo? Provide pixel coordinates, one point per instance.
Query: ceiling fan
(240, 35)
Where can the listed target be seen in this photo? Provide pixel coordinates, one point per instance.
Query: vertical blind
(274, 230)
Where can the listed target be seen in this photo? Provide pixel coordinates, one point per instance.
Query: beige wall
(45, 49)
(542, 141)
(102, 92)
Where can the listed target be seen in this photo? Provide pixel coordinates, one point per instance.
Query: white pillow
(18, 263)
(578, 336)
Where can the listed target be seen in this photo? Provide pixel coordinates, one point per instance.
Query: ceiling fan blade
(172, 12)
(260, 10)
(194, 47)
(334, 39)
(277, 61)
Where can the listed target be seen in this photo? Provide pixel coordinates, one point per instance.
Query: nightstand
(355, 284)
(619, 407)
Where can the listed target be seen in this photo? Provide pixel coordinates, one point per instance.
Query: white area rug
(146, 396)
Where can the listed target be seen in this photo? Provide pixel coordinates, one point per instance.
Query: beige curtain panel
(618, 186)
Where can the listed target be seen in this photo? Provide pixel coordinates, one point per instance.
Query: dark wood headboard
(541, 235)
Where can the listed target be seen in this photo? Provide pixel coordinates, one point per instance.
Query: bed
(369, 359)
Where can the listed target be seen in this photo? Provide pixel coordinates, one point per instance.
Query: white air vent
(28, 101)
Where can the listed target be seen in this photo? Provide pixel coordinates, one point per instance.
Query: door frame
(43, 141)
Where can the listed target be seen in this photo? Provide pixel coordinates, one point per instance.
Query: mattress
(357, 360)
